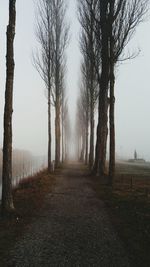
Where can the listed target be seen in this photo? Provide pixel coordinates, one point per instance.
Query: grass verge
(28, 200)
(129, 213)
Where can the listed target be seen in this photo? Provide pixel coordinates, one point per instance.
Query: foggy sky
(30, 103)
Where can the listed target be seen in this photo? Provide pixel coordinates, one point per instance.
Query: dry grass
(133, 184)
(28, 200)
(129, 211)
(29, 195)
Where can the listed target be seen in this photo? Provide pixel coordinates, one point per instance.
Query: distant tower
(135, 155)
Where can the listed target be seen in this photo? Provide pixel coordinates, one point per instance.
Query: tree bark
(92, 90)
(102, 129)
(103, 132)
(112, 100)
(62, 124)
(57, 104)
(92, 126)
(7, 198)
(112, 127)
(57, 134)
(49, 132)
(83, 145)
(87, 140)
(66, 149)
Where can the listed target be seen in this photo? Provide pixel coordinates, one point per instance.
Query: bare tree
(52, 34)
(124, 16)
(43, 58)
(115, 25)
(103, 44)
(81, 133)
(60, 35)
(64, 117)
(63, 105)
(92, 57)
(7, 199)
(83, 112)
(66, 131)
(85, 102)
(80, 136)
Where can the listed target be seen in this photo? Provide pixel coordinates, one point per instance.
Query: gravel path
(73, 229)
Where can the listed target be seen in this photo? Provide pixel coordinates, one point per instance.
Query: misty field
(125, 167)
(133, 176)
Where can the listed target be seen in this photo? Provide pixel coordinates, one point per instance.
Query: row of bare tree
(52, 32)
(106, 29)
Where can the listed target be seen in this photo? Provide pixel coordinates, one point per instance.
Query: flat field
(133, 176)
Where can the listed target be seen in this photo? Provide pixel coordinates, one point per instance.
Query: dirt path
(73, 229)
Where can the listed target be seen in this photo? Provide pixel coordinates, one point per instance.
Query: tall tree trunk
(49, 132)
(91, 155)
(87, 140)
(92, 91)
(62, 135)
(96, 162)
(112, 127)
(83, 145)
(7, 199)
(57, 134)
(57, 88)
(66, 149)
(112, 100)
(79, 147)
(102, 130)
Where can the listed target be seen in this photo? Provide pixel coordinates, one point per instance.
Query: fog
(30, 103)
